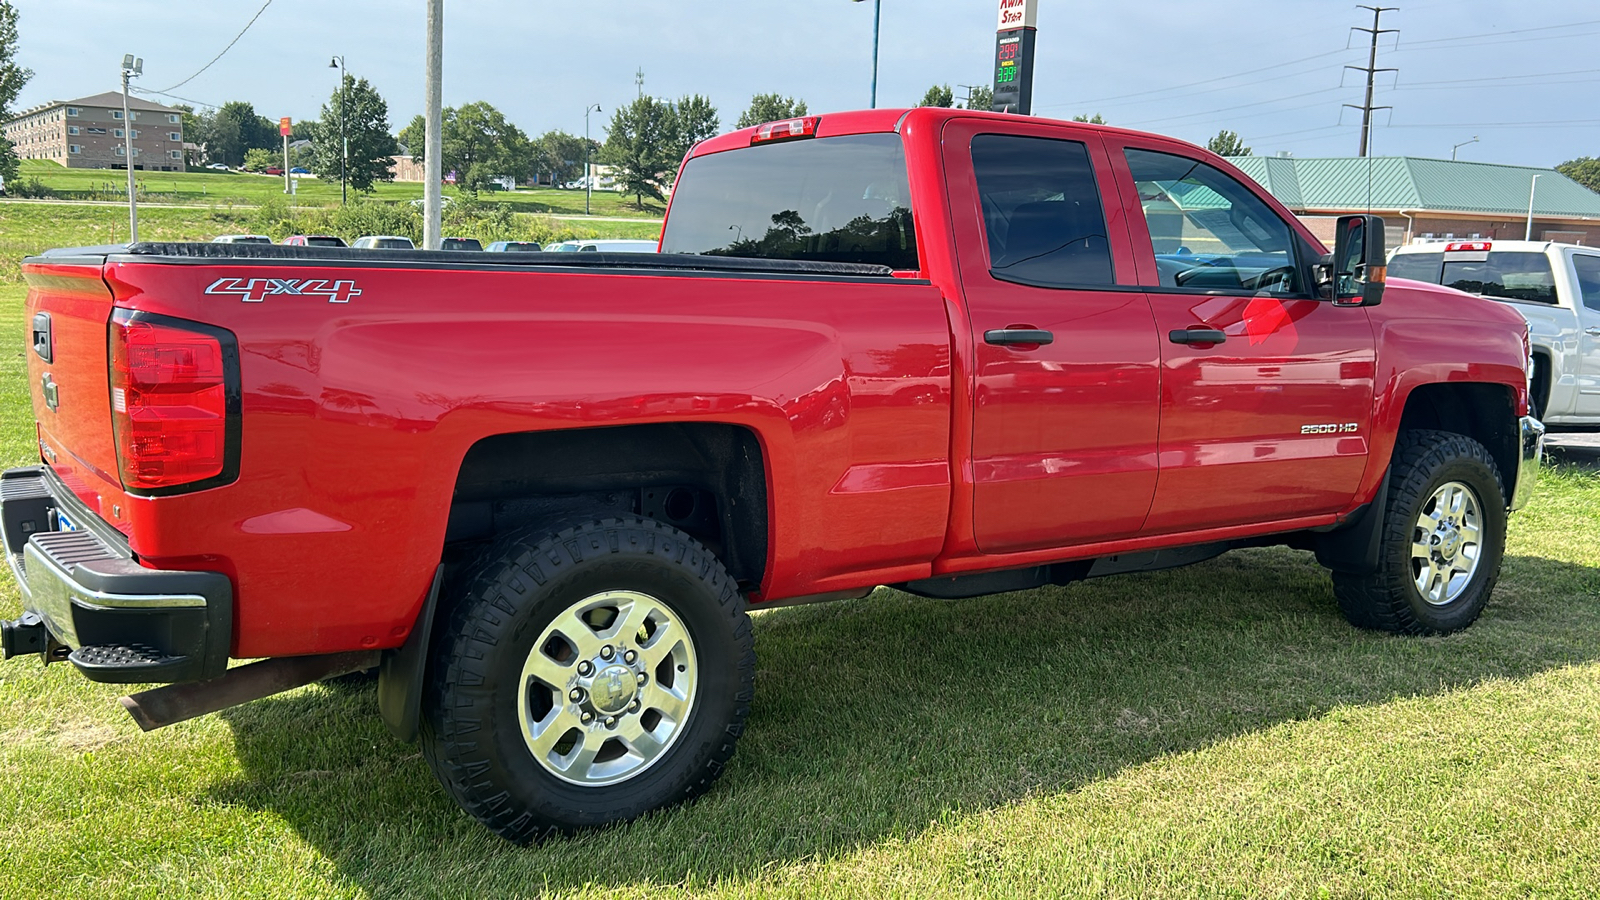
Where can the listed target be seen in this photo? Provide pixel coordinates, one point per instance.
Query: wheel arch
(1485, 412)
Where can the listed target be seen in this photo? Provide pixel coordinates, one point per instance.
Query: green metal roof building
(1431, 199)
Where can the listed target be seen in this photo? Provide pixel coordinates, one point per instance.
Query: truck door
(1266, 391)
(1065, 367)
(1586, 266)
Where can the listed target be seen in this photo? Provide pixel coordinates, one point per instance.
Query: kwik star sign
(1013, 56)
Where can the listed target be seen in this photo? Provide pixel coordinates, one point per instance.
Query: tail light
(174, 403)
(786, 130)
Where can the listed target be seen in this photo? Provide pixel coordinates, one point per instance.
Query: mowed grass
(1213, 731)
(206, 187)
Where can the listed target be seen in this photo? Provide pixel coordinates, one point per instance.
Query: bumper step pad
(130, 663)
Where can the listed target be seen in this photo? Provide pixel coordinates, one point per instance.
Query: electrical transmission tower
(638, 80)
(1372, 70)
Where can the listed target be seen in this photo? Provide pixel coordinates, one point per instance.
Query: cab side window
(1211, 233)
(1588, 268)
(1041, 212)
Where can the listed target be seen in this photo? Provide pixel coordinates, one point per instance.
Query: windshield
(1502, 274)
(839, 199)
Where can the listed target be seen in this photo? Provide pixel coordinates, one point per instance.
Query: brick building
(87, 133)
(1431, 199)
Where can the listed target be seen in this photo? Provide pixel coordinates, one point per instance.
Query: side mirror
(1360, 264)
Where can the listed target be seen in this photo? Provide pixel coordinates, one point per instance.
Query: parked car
(314, 240)
(241, 239)
(541, 499)
(456, 243)
(562, 247)
(299, 170)
(1556, 287)
(382, 242)
(513, 247)
(617, 246)
(274, 170)
(217, 167)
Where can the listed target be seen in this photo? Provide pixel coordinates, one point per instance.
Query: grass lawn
(206, 188)
(1213, 731)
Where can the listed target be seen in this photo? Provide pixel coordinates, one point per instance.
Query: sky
(1520, 75)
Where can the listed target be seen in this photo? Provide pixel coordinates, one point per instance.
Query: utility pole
(433, 136)
(877, 18)
(970, 88)
(131, 68)
(344, 158)
(638, 80)
(1372, 70)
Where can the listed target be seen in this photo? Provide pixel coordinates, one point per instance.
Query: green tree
(1092, 120)
(694, 119)
(12, 79)
(981, 98)
(479, 145)
(939, 95)
(413, 137)
(560, 155)
(258, 160)
(1227, 143)
(365, 128)
(1584, 170)
(770, 108)
(236, 128)
(639, 146)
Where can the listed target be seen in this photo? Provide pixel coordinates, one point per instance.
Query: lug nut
(634, 707)
(643, 678)
(611, 722)
(629, 657)
(587, 717)
(575, 695)
(585, 668)
(606, 652)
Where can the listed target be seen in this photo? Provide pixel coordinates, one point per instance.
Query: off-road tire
(1388, 599)
(471, 733)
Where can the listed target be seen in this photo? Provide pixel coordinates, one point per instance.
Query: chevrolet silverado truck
(1556, 287)
(954, 352)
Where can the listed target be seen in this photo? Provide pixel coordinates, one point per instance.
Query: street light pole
(1460, 145)
(877, 17)
(433, 135)
(1528, 235)
(344, 158)
(588, 177)
(131, 68)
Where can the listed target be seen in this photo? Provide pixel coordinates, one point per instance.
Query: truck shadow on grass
(875, 719)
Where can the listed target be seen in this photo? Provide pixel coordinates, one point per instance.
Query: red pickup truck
(950, 351)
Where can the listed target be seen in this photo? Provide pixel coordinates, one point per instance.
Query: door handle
(1592, 332)
(1196, 336)
(1019, 336)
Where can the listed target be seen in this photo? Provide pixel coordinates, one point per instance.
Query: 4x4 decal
(255, 290)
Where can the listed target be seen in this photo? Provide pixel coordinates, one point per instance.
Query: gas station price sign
(1013, 56)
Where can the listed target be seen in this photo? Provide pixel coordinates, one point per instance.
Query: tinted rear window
(838, 199)
(324, 242)
(1502, 275)
(1511, 275)
(1416, 266)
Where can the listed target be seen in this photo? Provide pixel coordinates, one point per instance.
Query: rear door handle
(1196, 336)
(1592, 332)
(1019, 336)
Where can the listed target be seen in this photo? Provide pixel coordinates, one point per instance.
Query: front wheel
(587, 677)
(1441, 540)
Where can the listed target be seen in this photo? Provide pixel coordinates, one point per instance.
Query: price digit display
(1013, 71)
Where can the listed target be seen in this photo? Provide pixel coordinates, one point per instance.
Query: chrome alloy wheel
(607, 689)
(1446, 542)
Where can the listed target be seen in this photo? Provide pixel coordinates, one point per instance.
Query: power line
(1178, 87)
(208, 65)
(1499, 34)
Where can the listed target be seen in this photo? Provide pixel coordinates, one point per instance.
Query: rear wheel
(1441, 540)
(588, 676)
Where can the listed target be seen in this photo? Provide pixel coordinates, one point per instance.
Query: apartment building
(88, 133)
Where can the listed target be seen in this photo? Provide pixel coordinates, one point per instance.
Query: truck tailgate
(68, 309)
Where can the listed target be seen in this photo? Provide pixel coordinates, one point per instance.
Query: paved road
(1577, 449)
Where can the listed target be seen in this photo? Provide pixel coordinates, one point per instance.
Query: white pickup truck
(1556, 287)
